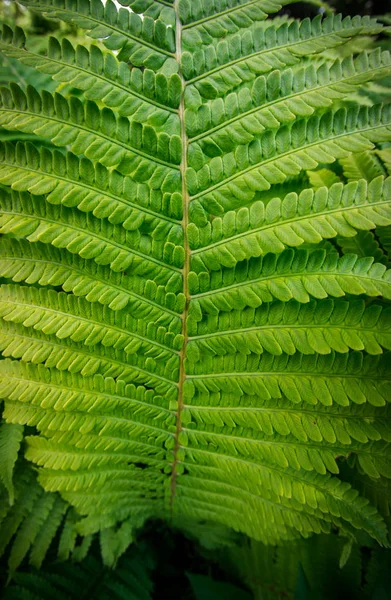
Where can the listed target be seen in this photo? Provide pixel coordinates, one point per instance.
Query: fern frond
(47, 266)
(287, 327)
(68, 547)
(278, 500)
(205, 21)
(12, 517)
(24, 215)
(114, 542)
(171, 299)
(64, 179)
(220, 125)
(361, 164)
(140, 95)
(385, 157)
(307, 217)
(30, 525)
(146, 42)
(132, 578)
(277, 155)
(82, 471)
(162, 9)
(333, 378)
(384, 237)
(47, 532)
(363, 244)
(30, 345)
(69, 317)
(302, 567)
(217, 69)
(293, 274)
(317, 423)
(30, 529)
(11, 436)
(98, 395)
(134, 149)
(322, 178)
(289, 452)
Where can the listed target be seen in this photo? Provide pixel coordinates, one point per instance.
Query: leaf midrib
(318, 413)
(320, 447)
(185, 270)
(310, 374)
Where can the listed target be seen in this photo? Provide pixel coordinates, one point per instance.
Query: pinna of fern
(184, 333)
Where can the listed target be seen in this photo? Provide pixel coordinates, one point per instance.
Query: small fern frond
(384, 237)
(99, 134)
(63, 400)
(322, 178)
(301, 503)
(317, 423)
(11, 436)
(363, 244)
(207, 22)
(31, 524)
(361, 164)
(64, 179)
(328, 379)
(69, 317)
(385, 157)
(131, 579)
(48, 266)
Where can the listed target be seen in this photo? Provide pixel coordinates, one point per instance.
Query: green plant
(187, 335)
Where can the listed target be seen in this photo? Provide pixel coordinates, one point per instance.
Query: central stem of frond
(186, 267)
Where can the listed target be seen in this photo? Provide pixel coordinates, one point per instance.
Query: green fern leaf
(305, 218)
(11, 436)
(363, 244)
(288, 327)
(194, 306)
(144, 42)
(297, 275)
